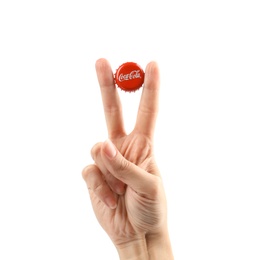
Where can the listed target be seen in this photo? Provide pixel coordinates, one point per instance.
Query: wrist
(134, 250)
(159, 246)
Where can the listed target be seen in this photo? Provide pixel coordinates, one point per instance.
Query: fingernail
(120, 189)
(110, 203)
(109, 149)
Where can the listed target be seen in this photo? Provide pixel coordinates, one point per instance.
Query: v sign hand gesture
(124, 183)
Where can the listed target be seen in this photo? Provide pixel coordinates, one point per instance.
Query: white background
(207, 137)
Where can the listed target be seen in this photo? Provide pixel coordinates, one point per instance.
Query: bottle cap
(129, 76)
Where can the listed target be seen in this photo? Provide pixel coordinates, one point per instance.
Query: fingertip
(109, 149)
(101, 62)
(111, 202)
(104, 73)
(152, 76)
(152, 67)
(120, 189)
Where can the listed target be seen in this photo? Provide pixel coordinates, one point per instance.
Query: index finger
(111, 101)
(149, 103)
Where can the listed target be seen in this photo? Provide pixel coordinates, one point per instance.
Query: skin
(124, 182)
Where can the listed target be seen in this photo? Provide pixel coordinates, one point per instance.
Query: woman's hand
(124, 184)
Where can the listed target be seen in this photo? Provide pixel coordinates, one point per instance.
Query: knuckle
(87, 170)
(98, 186)
(155, 187)
(95, 150)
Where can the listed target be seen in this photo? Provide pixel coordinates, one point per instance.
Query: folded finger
(116, 185)
(97, 184)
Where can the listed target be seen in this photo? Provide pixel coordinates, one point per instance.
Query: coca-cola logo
(135, 74)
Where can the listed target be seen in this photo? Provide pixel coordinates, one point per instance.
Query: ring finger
(116, 185)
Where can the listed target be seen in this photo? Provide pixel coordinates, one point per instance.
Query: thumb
(137, 178)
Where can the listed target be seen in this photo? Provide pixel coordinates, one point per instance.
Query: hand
(124, 184)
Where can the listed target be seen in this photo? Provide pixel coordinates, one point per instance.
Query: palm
(130, 219)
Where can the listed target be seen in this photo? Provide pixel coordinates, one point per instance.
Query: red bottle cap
(129, 76)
